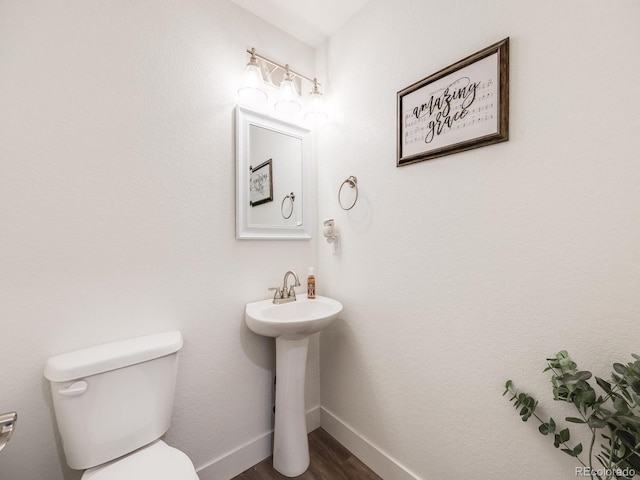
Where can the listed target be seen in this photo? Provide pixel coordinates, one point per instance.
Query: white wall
(117, 219)
(463, 271)
(117, 211)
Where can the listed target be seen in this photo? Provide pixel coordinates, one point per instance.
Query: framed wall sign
(261, 184)
(461, 107)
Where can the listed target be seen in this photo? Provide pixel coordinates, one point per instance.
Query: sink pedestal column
(290, 444)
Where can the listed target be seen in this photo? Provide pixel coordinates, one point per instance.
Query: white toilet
(113, 402)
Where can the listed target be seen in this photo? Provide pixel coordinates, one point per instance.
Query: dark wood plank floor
(329, 461)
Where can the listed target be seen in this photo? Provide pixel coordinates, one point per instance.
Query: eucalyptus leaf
(575, 420)
(595, 422)
(620, 405)
(604, 385)
(613, 418)
(619, 368)
(584, 375)
(556, 440)
(627, 396)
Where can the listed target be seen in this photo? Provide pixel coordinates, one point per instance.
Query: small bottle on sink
(311, 284)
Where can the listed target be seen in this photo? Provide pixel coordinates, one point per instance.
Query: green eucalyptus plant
(612, 415)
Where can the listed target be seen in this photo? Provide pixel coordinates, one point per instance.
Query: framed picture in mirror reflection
(261, 184)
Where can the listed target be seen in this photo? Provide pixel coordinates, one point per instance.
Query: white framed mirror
(273, 178)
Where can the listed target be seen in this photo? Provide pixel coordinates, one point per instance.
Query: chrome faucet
(286, 293)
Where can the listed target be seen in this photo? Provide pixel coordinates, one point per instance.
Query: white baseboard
(251, 453)
(238, 460)
(368, 453)
(313, 418)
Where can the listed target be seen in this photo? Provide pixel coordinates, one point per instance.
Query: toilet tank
(115, 398)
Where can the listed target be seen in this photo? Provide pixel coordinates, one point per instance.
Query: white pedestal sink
(291, 324)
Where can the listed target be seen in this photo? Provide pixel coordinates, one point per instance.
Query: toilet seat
(157, 461)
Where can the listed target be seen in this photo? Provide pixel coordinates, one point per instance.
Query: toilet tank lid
(110, 356)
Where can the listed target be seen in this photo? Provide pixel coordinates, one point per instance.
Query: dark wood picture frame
(261, 183)
(461, 107)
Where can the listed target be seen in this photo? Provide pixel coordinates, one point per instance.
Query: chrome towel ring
(291, 197)
(352, 182)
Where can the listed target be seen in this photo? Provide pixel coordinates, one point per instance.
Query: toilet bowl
(113, 404)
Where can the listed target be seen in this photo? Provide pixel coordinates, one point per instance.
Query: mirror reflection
(273, 170)
(275, 164)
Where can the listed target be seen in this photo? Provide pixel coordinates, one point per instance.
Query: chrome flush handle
(7, 424)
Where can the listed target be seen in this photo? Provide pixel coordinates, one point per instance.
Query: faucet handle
(277, 293)
(292, 292)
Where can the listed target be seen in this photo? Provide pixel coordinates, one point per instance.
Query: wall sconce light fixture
(261, 70)
(252, 89)
(288, 100)
(316, 112)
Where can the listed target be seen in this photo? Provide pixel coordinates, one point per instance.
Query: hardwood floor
(329, 461)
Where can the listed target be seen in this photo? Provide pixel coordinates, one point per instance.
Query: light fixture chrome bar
(283, 67)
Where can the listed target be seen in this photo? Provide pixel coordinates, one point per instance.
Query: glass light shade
(252, 89)
(316, 113)
(288, 97)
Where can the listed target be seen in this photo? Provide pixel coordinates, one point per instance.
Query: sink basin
(292, 320)
(291, 324)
